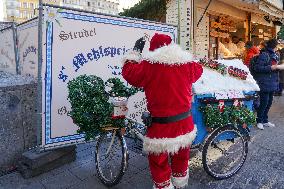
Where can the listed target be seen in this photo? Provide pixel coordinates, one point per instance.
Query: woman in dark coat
(267, 77)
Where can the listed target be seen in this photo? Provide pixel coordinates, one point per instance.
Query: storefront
(221, 29)
(226, 36)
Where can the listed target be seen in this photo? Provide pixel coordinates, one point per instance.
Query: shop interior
(228, 36)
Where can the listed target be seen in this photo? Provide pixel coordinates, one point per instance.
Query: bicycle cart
(222, 116)
(224, 148)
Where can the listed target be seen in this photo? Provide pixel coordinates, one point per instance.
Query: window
(32, 5)
(25, 5)
(88, 3)
(24, 14)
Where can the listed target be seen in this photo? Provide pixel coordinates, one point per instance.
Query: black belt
(165, 120)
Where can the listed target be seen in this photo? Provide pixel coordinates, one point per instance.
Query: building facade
(78, 4)
(11, 10)
(103, 6)
(22, 10)
(27, 9)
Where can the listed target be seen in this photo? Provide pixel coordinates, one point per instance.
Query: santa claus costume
(166, 74)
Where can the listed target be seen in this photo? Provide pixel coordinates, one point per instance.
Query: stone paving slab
(264, 168)
(62, 180)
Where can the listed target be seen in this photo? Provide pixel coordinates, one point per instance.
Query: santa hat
(159, 40)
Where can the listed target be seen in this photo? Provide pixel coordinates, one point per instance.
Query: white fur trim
(169, 55)
(131, 56)
(180, 182)
(171, 186)
(169, 145)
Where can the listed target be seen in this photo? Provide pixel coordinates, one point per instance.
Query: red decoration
(221, 105)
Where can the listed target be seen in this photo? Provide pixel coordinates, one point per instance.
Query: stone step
(34, 163)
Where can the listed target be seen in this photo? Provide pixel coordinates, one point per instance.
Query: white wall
(186, 18)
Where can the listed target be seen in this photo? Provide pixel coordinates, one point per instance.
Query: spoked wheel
(224, 152)
(111, 157)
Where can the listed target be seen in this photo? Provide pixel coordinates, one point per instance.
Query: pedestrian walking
(267, 76)
(166, 74)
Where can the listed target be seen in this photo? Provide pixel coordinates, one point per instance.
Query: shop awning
(274, 12)
(261, 7)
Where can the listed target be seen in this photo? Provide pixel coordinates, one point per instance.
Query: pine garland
(118, 89)
(91, 110)
(239, 115)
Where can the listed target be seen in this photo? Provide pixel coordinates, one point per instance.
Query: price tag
(221, 95)
(232, 94)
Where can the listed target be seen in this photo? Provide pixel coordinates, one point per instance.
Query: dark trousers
(281, 85)
(265, 102)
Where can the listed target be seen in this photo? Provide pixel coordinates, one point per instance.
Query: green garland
(214, 118)
(91, 110)
(118, 89)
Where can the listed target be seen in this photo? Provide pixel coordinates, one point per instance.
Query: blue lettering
(107, 51)
(96, 54)
(82, 58)
(78, 61)
(118, 51)
(113, 52)
(101, 51)
(89, 55)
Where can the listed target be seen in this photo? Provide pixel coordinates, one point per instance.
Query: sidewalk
(263, 169)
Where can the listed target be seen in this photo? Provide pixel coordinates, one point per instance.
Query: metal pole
(178, 21)
(16, 50)
(39, 80)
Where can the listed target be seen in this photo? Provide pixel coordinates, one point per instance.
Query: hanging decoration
(223, 69)
(222, 28)
(214, 65)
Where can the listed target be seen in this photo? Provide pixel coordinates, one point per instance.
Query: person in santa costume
(166, 74)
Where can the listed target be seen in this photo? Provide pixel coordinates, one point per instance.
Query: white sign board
(28, 44)
(7, 51)
(78, 43)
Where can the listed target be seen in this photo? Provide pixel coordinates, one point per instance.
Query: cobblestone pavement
(263, 169)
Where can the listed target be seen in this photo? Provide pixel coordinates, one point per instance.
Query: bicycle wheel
(224, 152)
(111, 157)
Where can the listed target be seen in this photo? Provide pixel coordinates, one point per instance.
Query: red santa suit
(166, 74)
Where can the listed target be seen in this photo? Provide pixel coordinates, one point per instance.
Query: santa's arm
(134, 71)
(196, 71)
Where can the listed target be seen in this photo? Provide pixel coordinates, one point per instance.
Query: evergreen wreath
(239, 115)
(91, 109)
